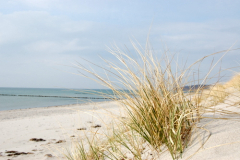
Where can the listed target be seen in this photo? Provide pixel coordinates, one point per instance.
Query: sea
(22, 98)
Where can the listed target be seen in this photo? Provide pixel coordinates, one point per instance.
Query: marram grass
(218, 92)
(159, 113)
(215, 94)
(234, 82)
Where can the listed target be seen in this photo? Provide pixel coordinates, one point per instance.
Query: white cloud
(200, 36)
(32, 42)
(41, 32)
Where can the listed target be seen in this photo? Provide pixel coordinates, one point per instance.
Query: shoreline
(68, 105)
(68, 108)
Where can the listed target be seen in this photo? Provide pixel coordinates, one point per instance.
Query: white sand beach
(64, 124)
(52, 124)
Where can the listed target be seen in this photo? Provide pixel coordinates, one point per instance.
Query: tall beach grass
(160, 115)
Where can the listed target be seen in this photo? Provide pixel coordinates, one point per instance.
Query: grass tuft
(159, 113)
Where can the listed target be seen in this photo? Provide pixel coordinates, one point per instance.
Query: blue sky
(41, 39)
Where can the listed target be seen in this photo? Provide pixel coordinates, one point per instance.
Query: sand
(221, 138)
(50, 124)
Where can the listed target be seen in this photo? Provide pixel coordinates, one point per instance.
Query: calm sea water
(21, 98)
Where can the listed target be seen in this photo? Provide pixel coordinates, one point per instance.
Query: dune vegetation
(218, 92)
(234, 82)
(159, 114)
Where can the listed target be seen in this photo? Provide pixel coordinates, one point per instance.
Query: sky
(41, 40)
